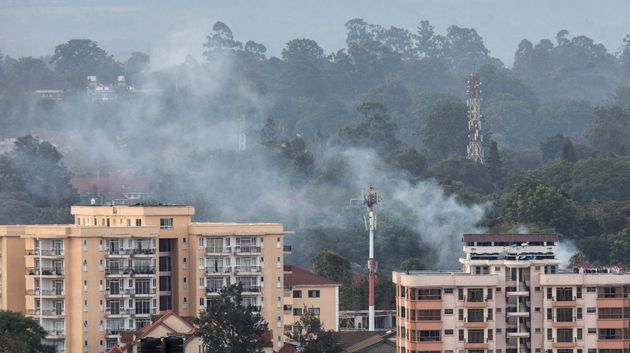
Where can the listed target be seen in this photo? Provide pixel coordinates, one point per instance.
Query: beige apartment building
(116, 266)
(317, 294)
(512, 297)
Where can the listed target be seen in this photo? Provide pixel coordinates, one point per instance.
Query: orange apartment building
(511, 297)
(116, 266)
(304, 289)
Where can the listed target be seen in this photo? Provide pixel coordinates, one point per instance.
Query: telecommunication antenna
(371, 198)
(474, 150)
(242, 133)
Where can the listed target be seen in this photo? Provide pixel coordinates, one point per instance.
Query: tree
(568, 152)
(374, 130)
(79, 58)
(493, 162)
(220, 42)
(551, 148)
(601, 179)
(19, 334)
(333, 266)
(42, 174)
(228, 326)
(311, 337)
(532, 201)
(412, 263)
(445, 132)
(137, 67)
(610, 130)
(620, 248)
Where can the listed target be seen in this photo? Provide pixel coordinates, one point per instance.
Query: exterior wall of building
(534, 307)
(111, 243)
(328, 314)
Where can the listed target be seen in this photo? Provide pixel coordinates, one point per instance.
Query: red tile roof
(288, 348)
(300, 277)
(510, 237)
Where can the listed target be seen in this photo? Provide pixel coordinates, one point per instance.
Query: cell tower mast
(371, 199)
(475, 138)
(242, 133)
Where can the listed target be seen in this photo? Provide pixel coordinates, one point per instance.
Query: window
(490, 315)
(549, 334)
(476, 336)
(549, 314)
(537, 289)
(297, 294)
(430, 336)
(313, 311)
(475, 315)
(460, 314)
(564, 335)
(537, 309)
(591, 290)
(579, 314)
(138, 222)
(489, 293)
(143, 306)
(297, 312)
(461, 335)
(143, 286)
(429, 315)
(564, 315)
(578, 292)
(166, 223)
(564, 294)
(610, 334)
(549, 293)
(448, 311)
(592, 330)
(610, 313)
(429, 294)
(591, 310)
(475, 295)
(448, 332)
(313, 293)
(165, 283)
(490, 335)
(448, 290)
(579, 333)
(165, 245)
(165, 263)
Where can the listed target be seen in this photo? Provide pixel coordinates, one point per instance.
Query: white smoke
(565, 250)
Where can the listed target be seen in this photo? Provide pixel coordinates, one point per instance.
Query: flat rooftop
(509, 238)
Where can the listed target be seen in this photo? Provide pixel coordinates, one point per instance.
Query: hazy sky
(171, 29)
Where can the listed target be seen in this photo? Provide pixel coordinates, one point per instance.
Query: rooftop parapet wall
(131, 210)
(443, 279)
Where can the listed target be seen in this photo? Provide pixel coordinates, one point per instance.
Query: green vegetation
(20, 334)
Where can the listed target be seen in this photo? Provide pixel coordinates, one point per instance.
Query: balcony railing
(47, 292)
(135, 270)
(137, 292)
(119, 312)
(239, 249)
(142, 252)
(218, 250)
(45, 312)
(247, 269)
(56, 333)
(45, 252)
(218, 270)
(251, 289)
(125, 291)
(45, 271)
(214, 290)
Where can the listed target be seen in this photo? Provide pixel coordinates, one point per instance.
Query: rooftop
(295, 276)
(509, 238)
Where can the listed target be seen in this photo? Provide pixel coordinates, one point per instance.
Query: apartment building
(116, 266)
(512, 297)
(304, 290)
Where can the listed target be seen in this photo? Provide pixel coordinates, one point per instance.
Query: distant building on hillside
(117, 188)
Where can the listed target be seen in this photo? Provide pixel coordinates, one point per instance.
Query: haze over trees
(388, 108)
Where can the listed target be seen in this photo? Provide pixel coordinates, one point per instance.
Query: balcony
(55, 334)
(44, 271)
(118, 271)
(118, 313)
(51, 313)
(251, 289)
(512, 332)
(52, 293)
(113, 331)
(475, 344)
(569, 342)
(287, 249)
(118, 293)
(214, 290)
(218, 271)
(247, 270)
(517, 292)
(519, 310)
(137, 252)
(564, 301)
(217, 250)
(475, 302)
(143, 313)
(117, 253)
(141, 271)
(52, 253)
(247, 249)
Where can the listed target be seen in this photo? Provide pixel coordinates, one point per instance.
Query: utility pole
(371, 199)
(475, 138)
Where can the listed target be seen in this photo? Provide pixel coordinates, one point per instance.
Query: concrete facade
(118, 265)
(510, 296)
